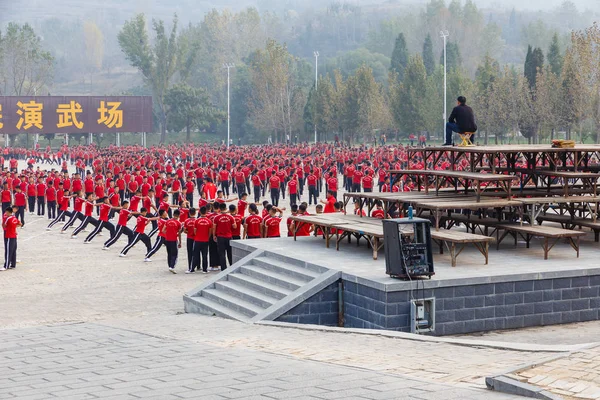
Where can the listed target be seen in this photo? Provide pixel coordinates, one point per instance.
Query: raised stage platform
(517, 289)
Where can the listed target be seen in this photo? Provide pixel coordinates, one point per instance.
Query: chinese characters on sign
(75, 114)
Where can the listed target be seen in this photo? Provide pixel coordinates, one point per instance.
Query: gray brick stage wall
(475, 308)
(319, 309)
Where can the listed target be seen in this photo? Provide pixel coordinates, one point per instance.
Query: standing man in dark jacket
(461, 120)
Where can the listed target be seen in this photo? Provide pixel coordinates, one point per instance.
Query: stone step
(210, 307)
(232, 302)
(242, 292)
(267, 288)
(285, 268)
(272, 277)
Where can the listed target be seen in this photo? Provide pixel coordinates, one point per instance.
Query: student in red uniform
(293, 190)
(253, 224)
(257, 185)
(367, 182)
(236, 232)
(172, 232)
(202, 228)
(329, 203)
(332, 184)
(88, 218)
(271, 224)
(242, 205)
(378, 213)
(140, 227)
(20, 202)
(6, 196)
(313, 192)
(10, 224)
(77, 211)
(51, 201)
(41, 196)
(160, 238)
(62, 211)
(274, 184)
(122, 228)
(189, 229)
(224, 224)
(105, 208)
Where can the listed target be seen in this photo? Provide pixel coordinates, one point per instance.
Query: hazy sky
(36, 10)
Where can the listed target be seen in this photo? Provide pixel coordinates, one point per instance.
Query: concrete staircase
(261, 286)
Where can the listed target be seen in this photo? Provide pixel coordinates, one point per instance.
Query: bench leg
(546, 250)
(375, 248)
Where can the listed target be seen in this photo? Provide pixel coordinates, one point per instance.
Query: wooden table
(550, 235)
(588, 180)
(323, 221)
(533, 207)
(453, 238)
(437, 208)
(579, 158)
(467, 180)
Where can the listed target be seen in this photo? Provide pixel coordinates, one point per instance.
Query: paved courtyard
(78, 322)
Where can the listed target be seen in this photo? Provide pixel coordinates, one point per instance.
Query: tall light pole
(228, 66)
(316, 53)
(444, 34)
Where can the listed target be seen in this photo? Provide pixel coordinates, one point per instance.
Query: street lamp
(228, 66)
(444, 34)
(316, 53)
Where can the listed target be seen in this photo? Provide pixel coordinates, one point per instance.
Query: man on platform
(461, 120)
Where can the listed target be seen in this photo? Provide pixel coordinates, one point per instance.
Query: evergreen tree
(428, 59)
(555, 59)
(399, 56)
(534, 62)
(453, 57)
(410, 93)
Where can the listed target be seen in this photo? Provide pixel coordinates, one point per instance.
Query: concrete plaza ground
(78, 322)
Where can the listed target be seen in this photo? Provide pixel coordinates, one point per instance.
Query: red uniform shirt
(123, 217)
(189, 225)
(293, 186)
(10, 230)
(378, 214)
(140, 226)
(20, 199)
(238, 226)
(253, 223)
(104, 210)
(6, 196)
(272, 225)
(274, 182)
(172, 228)
(224, 225)
(203, 225)
(50, 194)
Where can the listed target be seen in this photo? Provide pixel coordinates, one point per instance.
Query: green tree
(573, 93)
(399, 56)
(25, 67)
(428, 59)
(534, 62)
(158, 63)
(555, 58)
(366, 107)
(190, 108)
(453, 57)
(487, 73)
(409, 108)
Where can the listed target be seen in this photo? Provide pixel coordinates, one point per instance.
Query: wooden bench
(550, 235)
(451, 239)
(571, 223)
(473, 223)
(465, 139)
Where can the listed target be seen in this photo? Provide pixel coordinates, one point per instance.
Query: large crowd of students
(207, 193)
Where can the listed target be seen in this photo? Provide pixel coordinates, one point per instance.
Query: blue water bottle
(410, 212)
